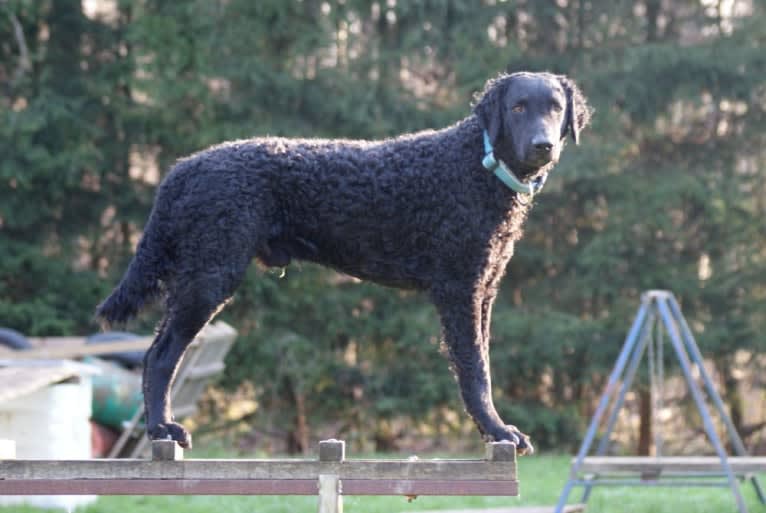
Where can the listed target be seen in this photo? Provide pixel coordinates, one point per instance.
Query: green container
(116, 394)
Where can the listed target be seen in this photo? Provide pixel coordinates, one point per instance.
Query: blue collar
(507, 176)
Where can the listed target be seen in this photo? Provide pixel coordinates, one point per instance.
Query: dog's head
(528, 116)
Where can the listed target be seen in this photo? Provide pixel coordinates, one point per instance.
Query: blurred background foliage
(99, 97)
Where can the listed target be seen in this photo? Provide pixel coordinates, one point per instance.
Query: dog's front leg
(469, 355)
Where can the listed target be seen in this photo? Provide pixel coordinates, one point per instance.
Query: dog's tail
(142, 282)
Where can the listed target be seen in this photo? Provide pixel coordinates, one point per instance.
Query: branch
(25, 64)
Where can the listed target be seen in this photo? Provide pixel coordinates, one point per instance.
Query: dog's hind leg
(160, 365)
(191, 305)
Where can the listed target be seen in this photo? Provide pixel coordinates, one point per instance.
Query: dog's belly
(403, 275)
(391, 261)
(400, 266)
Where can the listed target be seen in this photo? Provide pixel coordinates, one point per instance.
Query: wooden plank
(401, 487)
(453, 470)
(159, 487)
(71, 348)
(67, 348)
(452, 487)
(569, 508)
(40, 342)
(672, 464)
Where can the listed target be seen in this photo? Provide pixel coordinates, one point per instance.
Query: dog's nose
(543, 146)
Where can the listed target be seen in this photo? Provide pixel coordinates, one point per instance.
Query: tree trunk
(645, 426)
(653, 8)
(298, 436)
(731, 396)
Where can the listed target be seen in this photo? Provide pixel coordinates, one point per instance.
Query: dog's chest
(507, 231)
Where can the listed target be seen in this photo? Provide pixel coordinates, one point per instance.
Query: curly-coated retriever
(437, 211)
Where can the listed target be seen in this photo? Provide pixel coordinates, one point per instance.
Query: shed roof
(19, 378)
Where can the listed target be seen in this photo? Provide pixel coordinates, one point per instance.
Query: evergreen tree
(97, 100)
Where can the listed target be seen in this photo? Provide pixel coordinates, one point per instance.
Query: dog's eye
(518, 108)
(556, 107)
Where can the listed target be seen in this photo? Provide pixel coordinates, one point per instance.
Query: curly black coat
(418, 211)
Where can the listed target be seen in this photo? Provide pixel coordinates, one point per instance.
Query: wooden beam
(445, 487)
(195, 469)
(569, 508)
(256, 477)
(672, 464)
(254, 487)
(159, 487)
(331, 476)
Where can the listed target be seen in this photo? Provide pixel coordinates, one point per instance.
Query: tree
(665, 191)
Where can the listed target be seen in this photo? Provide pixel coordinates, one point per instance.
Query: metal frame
(659, 315)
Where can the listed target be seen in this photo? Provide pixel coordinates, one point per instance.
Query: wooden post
(7, 450)
(166, 450)
(330, 498)
(501, 451)
(332, 450)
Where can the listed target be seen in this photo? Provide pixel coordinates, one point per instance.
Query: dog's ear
(490, 108)
(578, 112)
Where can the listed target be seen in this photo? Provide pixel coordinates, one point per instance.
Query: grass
(542, 478)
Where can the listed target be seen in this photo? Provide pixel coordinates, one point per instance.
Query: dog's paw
(171, 431)
(512, 434)
(524, 446)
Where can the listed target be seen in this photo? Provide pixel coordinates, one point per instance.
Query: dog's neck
(471, 131)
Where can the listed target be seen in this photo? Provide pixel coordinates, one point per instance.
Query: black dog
(428, 211)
